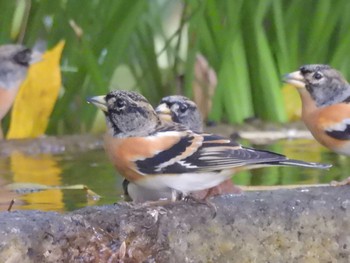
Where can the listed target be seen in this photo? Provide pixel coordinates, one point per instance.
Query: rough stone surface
(299, 225)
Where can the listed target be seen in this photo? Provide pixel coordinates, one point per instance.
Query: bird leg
(175, 196)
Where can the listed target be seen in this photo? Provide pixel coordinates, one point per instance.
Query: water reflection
(94, 170)
(27, 176)
(41, 169)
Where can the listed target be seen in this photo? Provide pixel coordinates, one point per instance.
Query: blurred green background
(146, 45)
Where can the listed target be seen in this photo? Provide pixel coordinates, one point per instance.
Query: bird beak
(35, 57)
(295, 78)
(99, 102)
(164, 112)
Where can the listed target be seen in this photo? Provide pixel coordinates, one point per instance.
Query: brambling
(162, 155)
(14, 63)
(181, 110)
(325, 96)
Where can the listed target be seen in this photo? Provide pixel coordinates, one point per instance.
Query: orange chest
(124, 152)
(7, 96)
(323, 119)
(120, 158)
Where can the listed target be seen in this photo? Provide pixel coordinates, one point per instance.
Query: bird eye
(318, 75)
(120, 103)
(23, 57)
(183, 108)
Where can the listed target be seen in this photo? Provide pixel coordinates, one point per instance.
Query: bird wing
(340, 130)
(335, 121)
(194, 152)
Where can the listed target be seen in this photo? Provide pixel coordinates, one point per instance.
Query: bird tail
(292, 162)
(288, 162)
(282, 160)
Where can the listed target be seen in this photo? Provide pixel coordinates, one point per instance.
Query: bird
(178, 109)
(15, 60)
(162, 155)
(325, 96)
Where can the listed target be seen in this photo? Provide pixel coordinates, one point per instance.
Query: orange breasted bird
(325, 96)
(178, 109)
(181, 109)
(162, 155)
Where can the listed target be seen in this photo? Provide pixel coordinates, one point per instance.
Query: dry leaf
(26, 187)
(204, 84)
(37, 96)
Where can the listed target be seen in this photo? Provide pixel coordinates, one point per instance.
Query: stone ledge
(295, 225)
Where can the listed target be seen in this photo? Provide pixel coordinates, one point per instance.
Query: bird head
(127, 113)
(326, 85)
(14, 63)
(180, 109)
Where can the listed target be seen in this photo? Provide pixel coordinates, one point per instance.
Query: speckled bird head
(128, 114)
(181, 110)
(14, 63)
(326, 85)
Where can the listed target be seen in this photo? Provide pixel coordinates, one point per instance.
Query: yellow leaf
(292, 102)
(37, 96)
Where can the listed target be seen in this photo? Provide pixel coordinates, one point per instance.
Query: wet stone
(273, 226)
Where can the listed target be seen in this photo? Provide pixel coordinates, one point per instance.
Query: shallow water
(19, 172)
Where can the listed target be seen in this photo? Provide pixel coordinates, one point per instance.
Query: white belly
(345, 150)
(185, 183)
